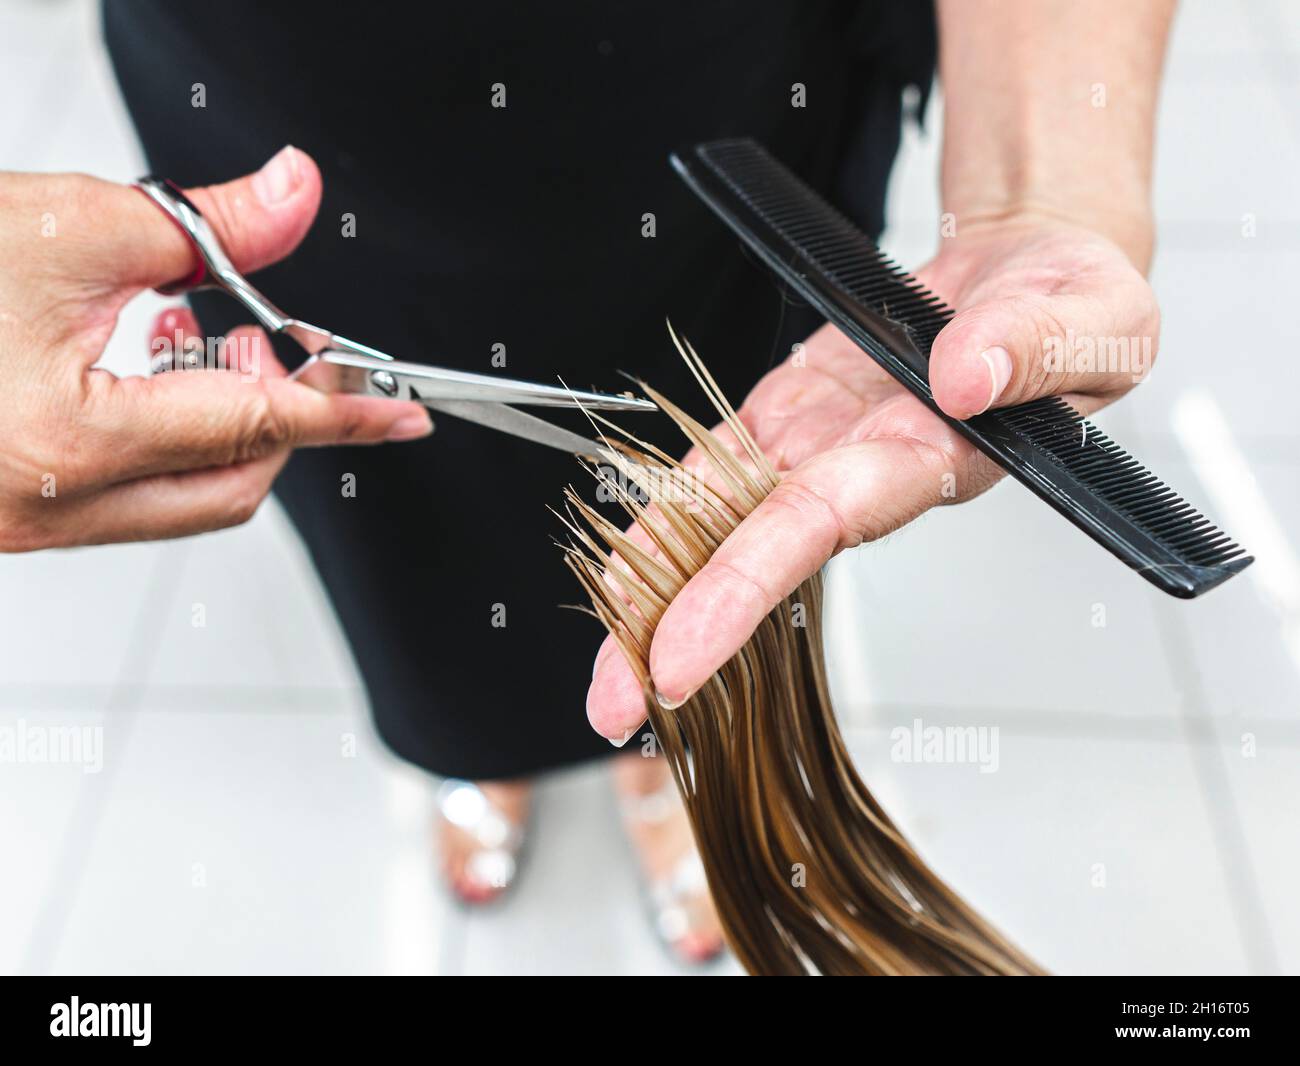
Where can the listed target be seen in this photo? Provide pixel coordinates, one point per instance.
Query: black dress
(478, 226)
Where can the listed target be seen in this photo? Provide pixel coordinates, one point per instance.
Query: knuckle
(45, 463)
(1032, 372)
(77, 464)
(953, 337)
(972, 477)
(814, 514)
(737, 584)
(943, 466)
(244, 500)
(83, 199)
(262, 428)
(223, 216)
(807, 506)
(73, 190)
(351, 426)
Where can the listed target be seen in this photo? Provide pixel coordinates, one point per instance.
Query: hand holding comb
(1045, 444)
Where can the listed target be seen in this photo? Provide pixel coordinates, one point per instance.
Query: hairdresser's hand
(89, 458)
(860, 456)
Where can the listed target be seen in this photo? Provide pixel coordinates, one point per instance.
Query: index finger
(835, 501)
(185, 420)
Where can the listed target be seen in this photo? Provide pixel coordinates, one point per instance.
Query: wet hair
(807, 871)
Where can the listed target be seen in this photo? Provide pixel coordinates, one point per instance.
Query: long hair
(807, 871)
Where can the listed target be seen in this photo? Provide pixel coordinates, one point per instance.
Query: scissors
(337, 364)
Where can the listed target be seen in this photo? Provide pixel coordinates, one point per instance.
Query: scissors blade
(520, 424)
(441, 383)
(354, 370)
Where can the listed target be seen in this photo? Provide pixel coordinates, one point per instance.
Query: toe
(699, 945)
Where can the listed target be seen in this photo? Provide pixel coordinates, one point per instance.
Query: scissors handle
(337, 364)
(214, 269)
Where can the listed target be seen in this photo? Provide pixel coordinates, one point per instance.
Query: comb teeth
(1046, 444)
(1095, 460)
(826, 238)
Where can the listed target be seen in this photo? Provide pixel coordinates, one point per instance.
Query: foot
(481, 828)
(656, 823)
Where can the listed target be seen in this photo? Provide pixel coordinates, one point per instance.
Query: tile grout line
(198, 698)
(51, 75)
(1218, 797)
(856, 718)
(1224, 816)
(1069, 726)
(454, 945)
(142, 649)
(1264, 24)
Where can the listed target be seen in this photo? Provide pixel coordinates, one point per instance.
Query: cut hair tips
(807, 871)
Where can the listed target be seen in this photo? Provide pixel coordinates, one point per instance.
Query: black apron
(520, 226)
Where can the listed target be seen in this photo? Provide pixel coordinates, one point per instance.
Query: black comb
(1045, 444)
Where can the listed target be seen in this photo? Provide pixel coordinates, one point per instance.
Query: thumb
(1018, 348)
(259, 219)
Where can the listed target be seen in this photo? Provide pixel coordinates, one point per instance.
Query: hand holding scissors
(339, 365)
(92, 458)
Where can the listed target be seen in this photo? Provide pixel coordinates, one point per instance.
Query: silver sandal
(673, 898)
(495, 862)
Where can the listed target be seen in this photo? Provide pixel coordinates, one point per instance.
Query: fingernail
(169, 321)
(278, 178)
(411, 427)
(998, 360)
(619, 743)
(671, 705)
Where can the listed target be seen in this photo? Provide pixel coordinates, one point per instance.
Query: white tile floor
(1143, 815)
